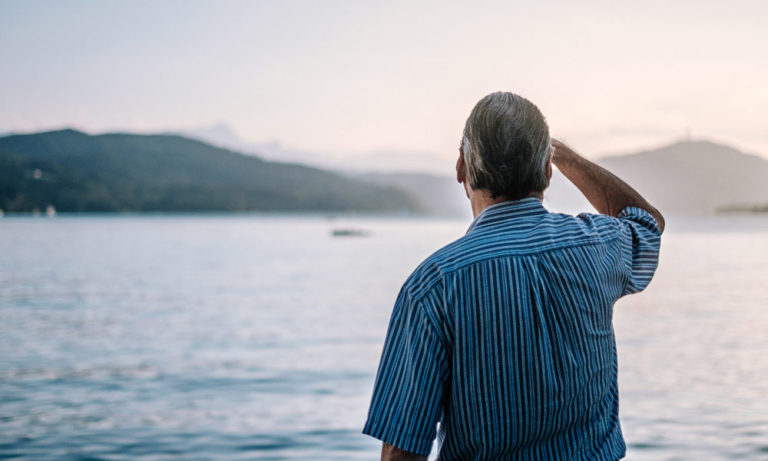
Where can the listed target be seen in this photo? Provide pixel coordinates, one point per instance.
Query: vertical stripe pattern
(505, 338)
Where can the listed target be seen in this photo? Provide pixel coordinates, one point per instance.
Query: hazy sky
(354, 77)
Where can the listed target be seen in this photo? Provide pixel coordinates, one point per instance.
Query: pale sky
(354, 77)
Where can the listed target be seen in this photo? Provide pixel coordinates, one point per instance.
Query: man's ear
(549, 171)
(461, 168)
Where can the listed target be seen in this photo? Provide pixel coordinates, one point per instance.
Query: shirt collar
(529, 206)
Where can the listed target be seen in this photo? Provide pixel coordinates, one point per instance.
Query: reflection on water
(247, 337)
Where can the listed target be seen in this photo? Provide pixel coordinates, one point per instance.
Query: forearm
(604, 190)
(392, 453)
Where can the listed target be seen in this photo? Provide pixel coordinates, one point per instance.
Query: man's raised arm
(604, 190)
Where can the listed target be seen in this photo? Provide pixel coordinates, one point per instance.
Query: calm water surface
(243, 337)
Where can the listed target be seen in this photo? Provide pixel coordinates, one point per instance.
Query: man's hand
(604, 190)
(392, 453)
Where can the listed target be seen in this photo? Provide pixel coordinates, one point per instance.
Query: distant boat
(50, 211)
(349, 232)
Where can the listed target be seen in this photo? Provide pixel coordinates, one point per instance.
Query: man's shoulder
(550, 232)
(539, 234)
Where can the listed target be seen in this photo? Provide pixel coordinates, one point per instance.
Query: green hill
(74, 171)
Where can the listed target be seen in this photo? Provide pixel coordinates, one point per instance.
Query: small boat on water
(349, 232)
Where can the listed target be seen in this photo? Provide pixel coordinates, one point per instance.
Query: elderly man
(504, 336)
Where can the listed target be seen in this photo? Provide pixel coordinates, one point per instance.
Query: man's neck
(482, 199)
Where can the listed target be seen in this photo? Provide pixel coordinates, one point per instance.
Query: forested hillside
(74, 171)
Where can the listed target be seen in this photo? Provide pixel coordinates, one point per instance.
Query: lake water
(247, 337)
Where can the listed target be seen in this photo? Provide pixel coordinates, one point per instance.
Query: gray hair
(506, 146)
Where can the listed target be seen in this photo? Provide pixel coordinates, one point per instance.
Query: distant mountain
(694, 176)
(74, 171)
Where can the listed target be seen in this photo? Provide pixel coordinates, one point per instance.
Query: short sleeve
(640, 241)
(405, 407)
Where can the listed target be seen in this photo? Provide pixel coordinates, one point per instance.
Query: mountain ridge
(694, 176)
(76, 171)
(168, 172)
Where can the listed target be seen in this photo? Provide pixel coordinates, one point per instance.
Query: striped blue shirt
(504, 337)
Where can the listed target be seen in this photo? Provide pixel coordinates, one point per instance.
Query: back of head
(506, 146)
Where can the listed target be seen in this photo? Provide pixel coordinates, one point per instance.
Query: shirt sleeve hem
(401, 441)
